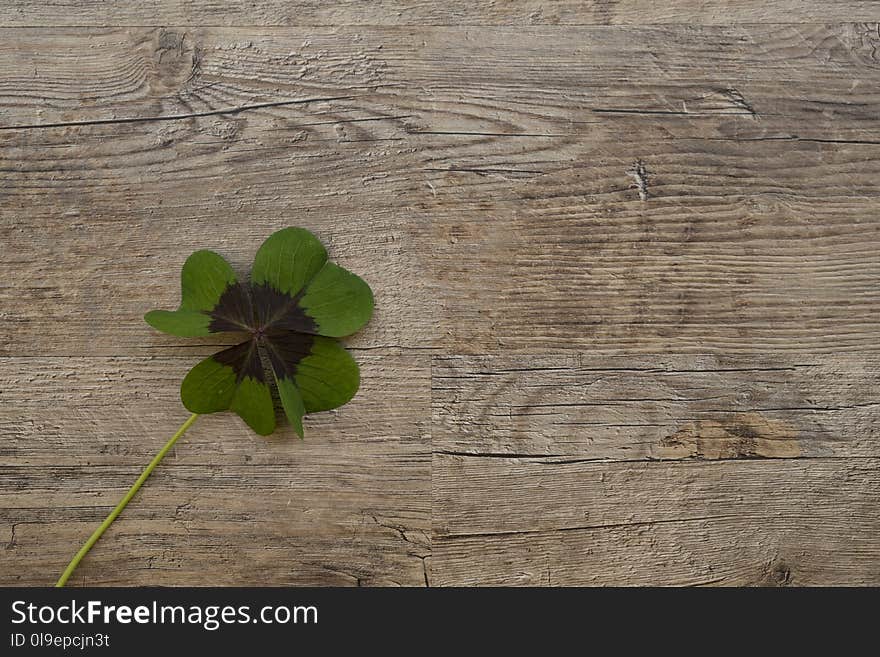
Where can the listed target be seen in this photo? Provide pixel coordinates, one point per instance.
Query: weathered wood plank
(569, 259)
(426, 12)
(529, 233)
(780, 81)
(637, 408)
(765, 255)
(564, 470)
(794, 548)
(83, 277)
(743, 274)
(349, 505)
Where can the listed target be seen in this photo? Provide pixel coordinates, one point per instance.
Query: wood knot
(744, 436)
(639, 174)
(175, 60)
(864, 44)
(777, 573)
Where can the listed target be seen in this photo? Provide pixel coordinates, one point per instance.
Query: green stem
(84, 550)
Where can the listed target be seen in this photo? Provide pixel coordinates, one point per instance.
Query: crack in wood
(177, 117)
(583, 528)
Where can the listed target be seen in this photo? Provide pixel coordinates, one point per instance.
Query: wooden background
(625, 257)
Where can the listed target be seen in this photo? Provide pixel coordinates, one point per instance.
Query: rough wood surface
(429, 12)
(717, 207)
(656, 408)
(625, 264)
(348, 506)
(684, 471)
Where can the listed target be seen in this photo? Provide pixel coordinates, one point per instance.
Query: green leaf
(293, 306)
(232, 379)
(285, 350)
(328, 377)
(208, 387)
(182, 323)
(324, 373)
(288, 260)
(292, 403)
(253, 403)
(204, 279)
(338, 301)
(207, 281)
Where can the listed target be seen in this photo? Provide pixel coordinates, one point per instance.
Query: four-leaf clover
(291, 309)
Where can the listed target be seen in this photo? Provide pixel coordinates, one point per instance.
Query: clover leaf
(290, 312)
(294, 305)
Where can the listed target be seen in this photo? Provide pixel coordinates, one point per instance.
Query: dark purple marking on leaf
(276, 311)
(244, 359)
(259, 309)
(234, 311)
(276, 323)
(286, 350)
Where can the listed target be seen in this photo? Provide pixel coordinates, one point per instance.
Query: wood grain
(425, 12)
(656, 407)
(624, 259)
(695, 81)
(677, 471)
(511, 181)
(348, 506)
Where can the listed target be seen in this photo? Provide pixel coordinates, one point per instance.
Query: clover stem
(84, 550)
